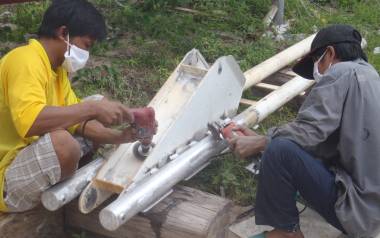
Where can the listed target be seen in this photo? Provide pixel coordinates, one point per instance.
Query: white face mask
(318, 76)
(75, 57)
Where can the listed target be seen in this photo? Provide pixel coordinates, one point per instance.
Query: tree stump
(186, 213)
(37, 223)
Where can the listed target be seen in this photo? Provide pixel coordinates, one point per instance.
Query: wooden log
(186, 213)
(37, 223)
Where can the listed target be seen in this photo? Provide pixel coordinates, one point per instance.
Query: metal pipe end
(50, 201)
(109, 220)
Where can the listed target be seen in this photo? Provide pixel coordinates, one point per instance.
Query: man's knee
(68, 151)
(279, 151)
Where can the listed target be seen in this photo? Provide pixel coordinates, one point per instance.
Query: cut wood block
(37, 223)
(186, 213)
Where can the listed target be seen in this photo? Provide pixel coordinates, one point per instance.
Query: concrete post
(279, 18)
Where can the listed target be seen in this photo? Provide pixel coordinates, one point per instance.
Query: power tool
(145, 125)
(227, 129)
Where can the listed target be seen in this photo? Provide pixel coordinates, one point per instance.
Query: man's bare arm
(54, 118)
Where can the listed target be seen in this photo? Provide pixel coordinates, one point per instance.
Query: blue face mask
(317, 75)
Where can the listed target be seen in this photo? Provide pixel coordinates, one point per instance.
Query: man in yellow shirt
(39, 112)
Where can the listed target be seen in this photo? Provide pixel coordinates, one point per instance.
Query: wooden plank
(248, 102)
(266, 86)
(270, 15)
(278, 79)
(186, 213)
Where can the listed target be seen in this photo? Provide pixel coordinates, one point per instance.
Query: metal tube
(146, 192)
(64, 192)
(142, 195)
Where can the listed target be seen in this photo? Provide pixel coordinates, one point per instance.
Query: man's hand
(245, 146)
(246, 131)
(112, 113)
(127, 135)
(130, 134)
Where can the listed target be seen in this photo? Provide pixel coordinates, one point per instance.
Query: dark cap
(325, 37)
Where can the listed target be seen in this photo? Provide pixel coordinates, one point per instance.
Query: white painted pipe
(273, 101)
(277, 62)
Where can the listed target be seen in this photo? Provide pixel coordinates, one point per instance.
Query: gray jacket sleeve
(320, 114)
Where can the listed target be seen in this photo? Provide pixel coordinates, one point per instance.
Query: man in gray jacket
(330, 153)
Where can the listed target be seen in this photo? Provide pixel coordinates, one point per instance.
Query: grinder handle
(145, 122)
(230, 132)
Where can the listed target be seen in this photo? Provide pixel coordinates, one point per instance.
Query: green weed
(25, 17)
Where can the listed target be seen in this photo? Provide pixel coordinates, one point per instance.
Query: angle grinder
(227, 129)
(145, 125)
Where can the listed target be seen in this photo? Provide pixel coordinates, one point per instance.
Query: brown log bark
(37, 223)
(186, 213)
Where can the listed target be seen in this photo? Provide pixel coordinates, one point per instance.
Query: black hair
(79, 16)
(345, 51)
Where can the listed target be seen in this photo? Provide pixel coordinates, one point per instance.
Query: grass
(147, 40)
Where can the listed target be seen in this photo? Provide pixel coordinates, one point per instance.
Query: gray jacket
(339, 123)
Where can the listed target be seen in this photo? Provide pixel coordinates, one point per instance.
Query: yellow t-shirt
(27, 85)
